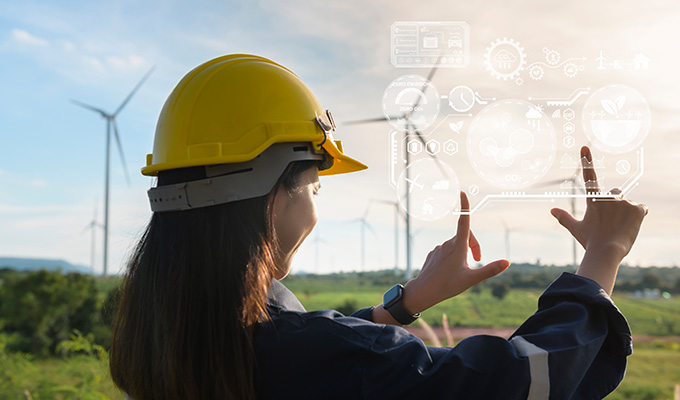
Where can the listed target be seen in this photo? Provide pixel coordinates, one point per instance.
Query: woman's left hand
(446, 272)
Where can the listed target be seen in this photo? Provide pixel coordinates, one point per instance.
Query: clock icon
(461, 98)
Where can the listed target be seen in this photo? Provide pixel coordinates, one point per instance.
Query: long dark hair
(195, 285)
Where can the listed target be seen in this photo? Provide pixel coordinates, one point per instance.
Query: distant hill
(32, 264)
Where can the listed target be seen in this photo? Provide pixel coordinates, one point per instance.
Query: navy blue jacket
(574, 347)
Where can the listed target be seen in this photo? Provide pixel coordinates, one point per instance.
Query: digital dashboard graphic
(450, 137)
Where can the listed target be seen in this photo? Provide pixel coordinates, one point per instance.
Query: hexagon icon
(432, 146)
(568, 128)
(569, 142)
(568, 114)
(450, 147)
(414, 147)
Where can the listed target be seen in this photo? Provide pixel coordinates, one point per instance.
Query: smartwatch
(392, 302)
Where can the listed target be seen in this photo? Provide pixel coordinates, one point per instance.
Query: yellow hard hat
(232, 108)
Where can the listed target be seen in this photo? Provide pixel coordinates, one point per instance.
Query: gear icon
(552, 57)
(510, 57)
(570, 70)
(536, 72)
(519, 81)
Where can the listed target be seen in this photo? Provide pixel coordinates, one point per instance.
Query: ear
(281, 201)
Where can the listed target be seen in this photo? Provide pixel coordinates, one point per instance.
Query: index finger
(589, 175)
(464, 220)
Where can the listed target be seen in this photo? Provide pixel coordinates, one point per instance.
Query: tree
(44, 307)
(500, 290)
(651, 280)
(347, 307)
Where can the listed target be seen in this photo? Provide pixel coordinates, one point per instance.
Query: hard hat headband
(235, 181)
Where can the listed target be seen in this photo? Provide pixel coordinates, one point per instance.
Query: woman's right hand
(446, 272)
(608, 229)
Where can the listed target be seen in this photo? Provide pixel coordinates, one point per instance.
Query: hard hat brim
(342, 163)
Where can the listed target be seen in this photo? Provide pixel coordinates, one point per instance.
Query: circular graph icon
(411, 100)
(511, 144)
(433, 189)
(616, 118)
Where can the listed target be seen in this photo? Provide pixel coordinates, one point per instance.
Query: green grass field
(646, 317)
(653, 369)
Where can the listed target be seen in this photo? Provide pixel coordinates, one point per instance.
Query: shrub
(43, 307)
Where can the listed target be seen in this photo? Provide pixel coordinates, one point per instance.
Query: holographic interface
(450, 137)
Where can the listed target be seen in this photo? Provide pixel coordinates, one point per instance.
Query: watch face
(392, 295)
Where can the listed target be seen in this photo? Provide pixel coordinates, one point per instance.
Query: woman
(239, 148)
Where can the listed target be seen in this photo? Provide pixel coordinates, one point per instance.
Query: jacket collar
(282, 299)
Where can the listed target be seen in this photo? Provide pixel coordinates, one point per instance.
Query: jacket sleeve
(589, 359)
(364, 313)
(573, 347)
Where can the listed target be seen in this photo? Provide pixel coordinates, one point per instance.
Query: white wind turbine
(92, 226)
(364, 224)
(111, 125)
(408, 128)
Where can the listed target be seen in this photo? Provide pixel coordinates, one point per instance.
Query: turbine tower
(397, 213)
(574, 185)
(111, 125)
(409, 128)
(508, 230)
(364, 224)
(317, 241)
(92, 226)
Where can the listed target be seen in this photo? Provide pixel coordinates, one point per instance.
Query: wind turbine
(364, 224)
(508, 231)
(317, 240)
(408, 127)
(397, 212)
(92, 226)
(573, 181)
(111, 125)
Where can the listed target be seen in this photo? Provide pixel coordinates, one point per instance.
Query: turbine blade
(89, 107)
(120, 151)
(505, 225)
(368, 207)
(420, 137)
(370, 228)
(132, 93)
(365, 121)
(87, 227)
(385, 201)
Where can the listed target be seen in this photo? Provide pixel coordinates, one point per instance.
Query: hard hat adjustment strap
(327, 125)
(234, 181)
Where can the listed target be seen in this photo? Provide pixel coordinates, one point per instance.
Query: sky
(52, 152)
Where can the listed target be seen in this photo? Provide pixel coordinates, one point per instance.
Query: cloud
(37, 183)
(504, 56)
(131, 61)
(533, 113)
(23, 37)
(94, 63)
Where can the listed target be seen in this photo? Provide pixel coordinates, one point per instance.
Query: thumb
(489, 270)
(565, 219)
